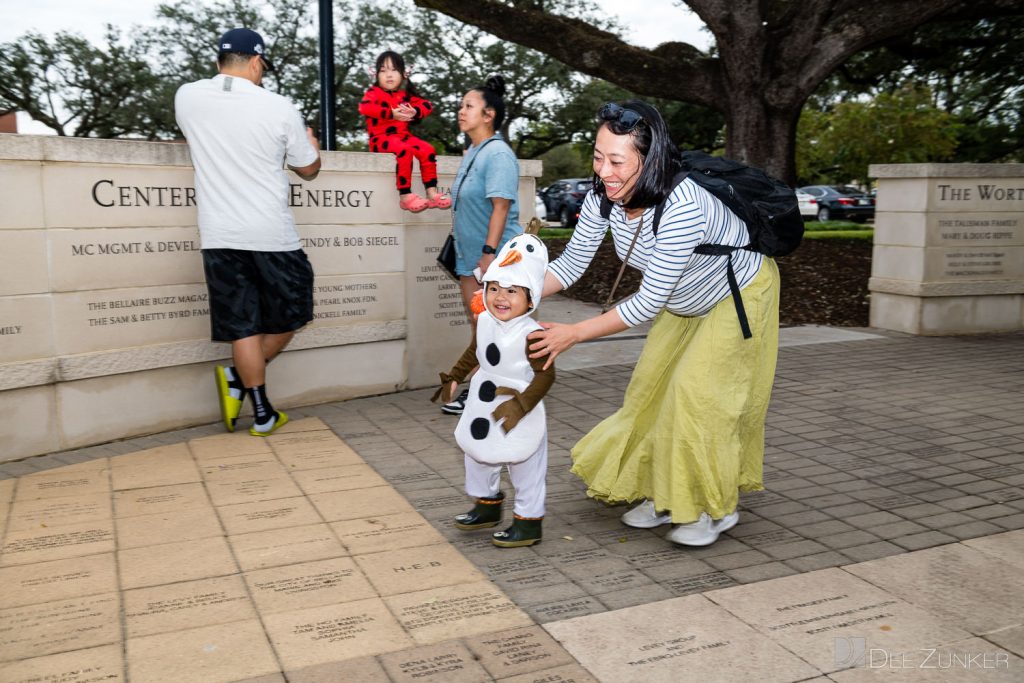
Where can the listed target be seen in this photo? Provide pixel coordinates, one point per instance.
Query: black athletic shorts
(257, 292)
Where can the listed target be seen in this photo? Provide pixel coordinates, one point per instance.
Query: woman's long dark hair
(659, 158)
(493, 92)
(398, 62)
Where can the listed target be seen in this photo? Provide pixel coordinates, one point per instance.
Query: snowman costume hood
(522, 262)
(502, 356)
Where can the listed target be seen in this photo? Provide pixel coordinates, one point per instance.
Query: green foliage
(546, 102)
(189, 29)
(128, 89)
(898, 128)
(974, 68)
(566, 161)
(101, 91)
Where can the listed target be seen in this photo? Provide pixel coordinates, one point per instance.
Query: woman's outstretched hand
(554, 339)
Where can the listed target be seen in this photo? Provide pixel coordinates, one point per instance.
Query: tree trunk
(761, 137)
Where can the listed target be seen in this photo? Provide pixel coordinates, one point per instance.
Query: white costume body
(501, 353)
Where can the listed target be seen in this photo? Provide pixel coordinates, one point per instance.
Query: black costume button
(488, 391)
(493, 354)
(479, 428)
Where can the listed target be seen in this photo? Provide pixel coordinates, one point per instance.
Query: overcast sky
(659, 22)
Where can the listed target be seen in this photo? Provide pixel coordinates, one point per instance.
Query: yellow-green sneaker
(280, 420)
(230, 406)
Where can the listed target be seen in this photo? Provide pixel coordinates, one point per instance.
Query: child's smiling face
(506, 303)
(389, 77)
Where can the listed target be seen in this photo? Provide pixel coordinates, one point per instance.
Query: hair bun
(496, 82)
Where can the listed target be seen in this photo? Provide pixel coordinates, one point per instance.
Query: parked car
(807, 203)
(836, 202)
(563, 199)
(539, 209)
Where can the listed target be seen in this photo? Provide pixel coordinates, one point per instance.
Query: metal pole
(327, 75)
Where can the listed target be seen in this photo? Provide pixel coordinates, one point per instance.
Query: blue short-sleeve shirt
(494, 174)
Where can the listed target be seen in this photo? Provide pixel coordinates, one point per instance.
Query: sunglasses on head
(626, 119)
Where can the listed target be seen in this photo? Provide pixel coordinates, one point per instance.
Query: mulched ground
(824, 282)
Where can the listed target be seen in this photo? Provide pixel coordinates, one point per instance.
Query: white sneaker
(704, 531)
(644, 516)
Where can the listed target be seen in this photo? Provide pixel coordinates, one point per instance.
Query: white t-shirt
(240, 136)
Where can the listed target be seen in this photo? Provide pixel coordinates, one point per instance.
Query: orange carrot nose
(513, 257)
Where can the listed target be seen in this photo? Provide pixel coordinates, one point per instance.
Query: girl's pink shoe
(413, 202)
(439, 201)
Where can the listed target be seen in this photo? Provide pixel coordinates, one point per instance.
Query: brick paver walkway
(877, 448)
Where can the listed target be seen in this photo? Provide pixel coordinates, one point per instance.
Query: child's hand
(403, 112)
(511, 410)
(446, 391)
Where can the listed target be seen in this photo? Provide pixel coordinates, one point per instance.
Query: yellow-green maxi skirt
(690, 433)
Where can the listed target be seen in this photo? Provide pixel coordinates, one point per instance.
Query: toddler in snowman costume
(504, 423)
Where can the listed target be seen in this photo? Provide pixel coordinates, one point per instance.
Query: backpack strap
(716, 250)
(730, 274)
(660, 207)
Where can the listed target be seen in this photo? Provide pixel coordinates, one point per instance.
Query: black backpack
(765, 204)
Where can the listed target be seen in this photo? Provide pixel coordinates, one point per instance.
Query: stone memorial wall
(104, 322)
(948, 256)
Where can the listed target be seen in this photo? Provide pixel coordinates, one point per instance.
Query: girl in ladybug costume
(388, 110)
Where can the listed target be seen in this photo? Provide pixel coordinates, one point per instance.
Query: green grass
(840, 235)
(813, 230)
(815, 226)
(555, 233)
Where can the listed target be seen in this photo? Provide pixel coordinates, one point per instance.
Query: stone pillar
(949, 248)
(104, 324)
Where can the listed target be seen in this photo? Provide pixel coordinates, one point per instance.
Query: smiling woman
(690, 434)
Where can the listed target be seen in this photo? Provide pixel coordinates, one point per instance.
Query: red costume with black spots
(388, 134)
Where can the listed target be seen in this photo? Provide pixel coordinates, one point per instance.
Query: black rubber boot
(522, 532)
(486, 513)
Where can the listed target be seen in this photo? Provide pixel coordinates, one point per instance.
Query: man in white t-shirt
(260, 282)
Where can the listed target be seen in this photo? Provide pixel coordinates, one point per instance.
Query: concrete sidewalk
(889, 541)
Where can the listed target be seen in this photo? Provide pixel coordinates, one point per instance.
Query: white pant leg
(482, 481)
(530, 481)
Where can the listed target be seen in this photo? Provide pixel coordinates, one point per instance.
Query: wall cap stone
(946, 170)
(54, 148)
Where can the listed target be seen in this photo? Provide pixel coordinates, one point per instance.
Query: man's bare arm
(309, 172)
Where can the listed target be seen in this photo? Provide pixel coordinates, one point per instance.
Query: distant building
(8, 122)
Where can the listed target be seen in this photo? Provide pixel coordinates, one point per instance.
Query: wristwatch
(488, 249)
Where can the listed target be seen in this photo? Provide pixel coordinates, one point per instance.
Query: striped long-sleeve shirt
(673, 276)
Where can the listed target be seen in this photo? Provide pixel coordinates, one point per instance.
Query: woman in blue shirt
(485, 205)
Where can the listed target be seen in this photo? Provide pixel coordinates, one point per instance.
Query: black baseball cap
(246, 42)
